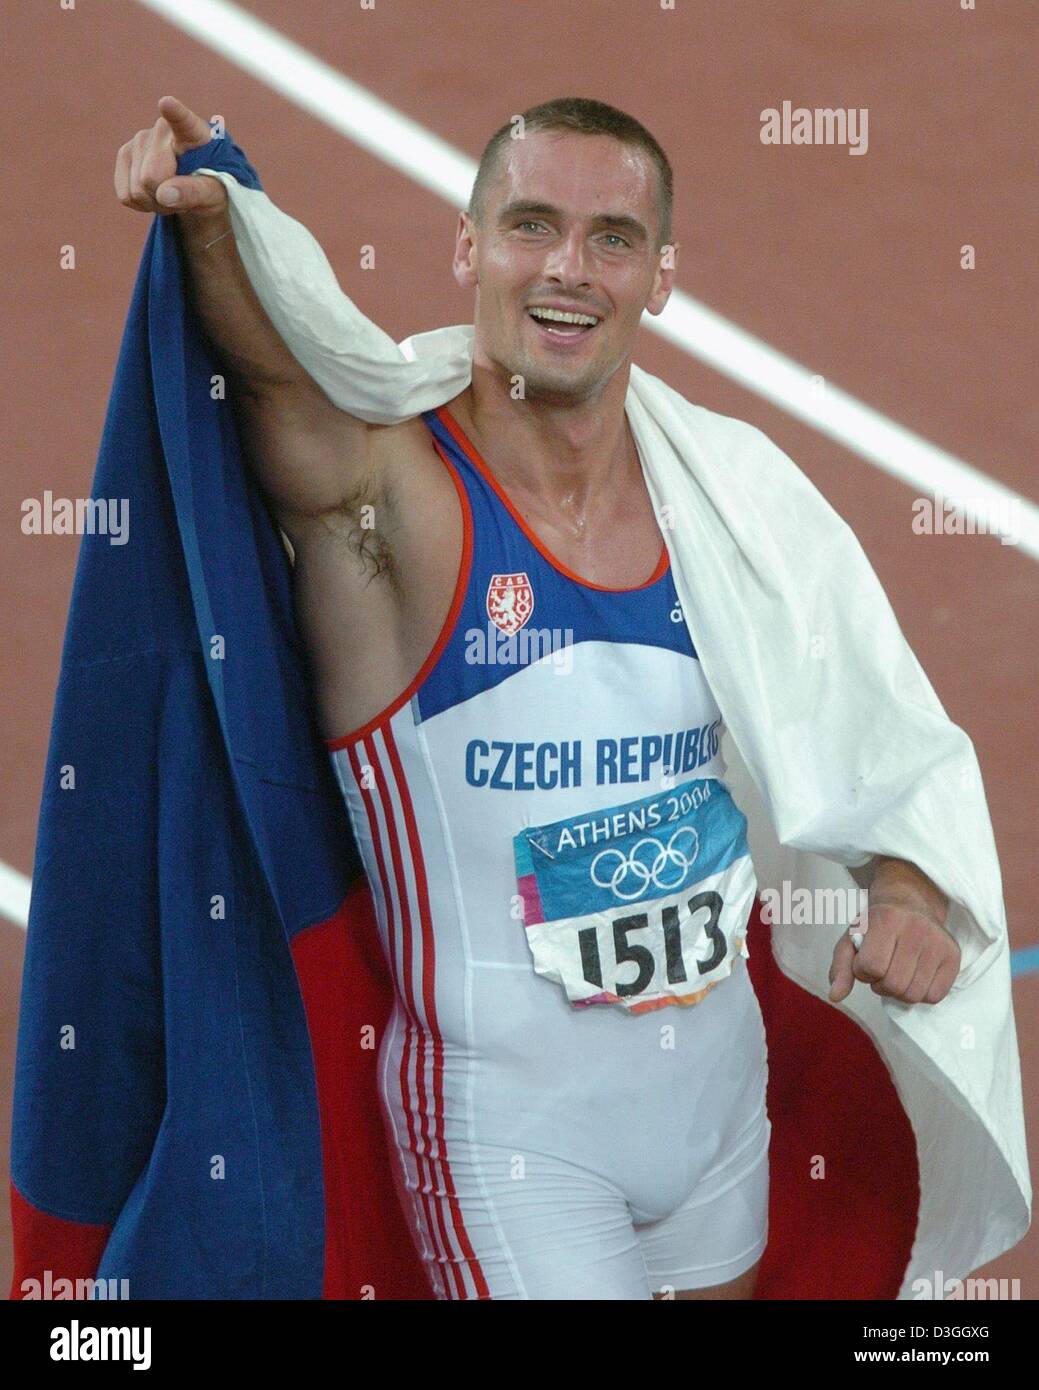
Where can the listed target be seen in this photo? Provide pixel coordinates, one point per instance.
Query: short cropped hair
(589, 118)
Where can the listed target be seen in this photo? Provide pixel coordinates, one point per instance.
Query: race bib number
(640, 905)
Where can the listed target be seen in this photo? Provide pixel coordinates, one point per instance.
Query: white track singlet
(573, 1078)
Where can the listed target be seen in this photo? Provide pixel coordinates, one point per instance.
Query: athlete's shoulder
(724, 440)
(737, 465)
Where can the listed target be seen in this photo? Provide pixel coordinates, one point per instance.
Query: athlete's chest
(615, 546)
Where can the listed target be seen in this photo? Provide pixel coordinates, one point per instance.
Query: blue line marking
(1023, 962)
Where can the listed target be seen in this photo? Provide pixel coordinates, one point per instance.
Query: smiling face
(571, 222)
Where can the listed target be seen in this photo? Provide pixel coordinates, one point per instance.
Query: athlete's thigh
(543, 1229)
(740, 1287)
(710, 1248)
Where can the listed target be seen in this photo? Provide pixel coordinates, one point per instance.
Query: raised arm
(307, 454)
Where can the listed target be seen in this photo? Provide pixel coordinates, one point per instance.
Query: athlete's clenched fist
(146, 167)
(906, 954)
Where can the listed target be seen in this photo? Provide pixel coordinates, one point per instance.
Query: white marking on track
(14, 895)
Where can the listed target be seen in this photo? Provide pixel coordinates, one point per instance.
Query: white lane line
(355, 112)
(892, 447)
(14, 895)
(347, 107)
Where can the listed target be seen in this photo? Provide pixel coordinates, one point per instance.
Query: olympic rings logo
(648, 862)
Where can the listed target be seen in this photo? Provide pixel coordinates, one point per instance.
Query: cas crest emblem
(510, 601)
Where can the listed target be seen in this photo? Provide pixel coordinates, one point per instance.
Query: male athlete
(574, 1076)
